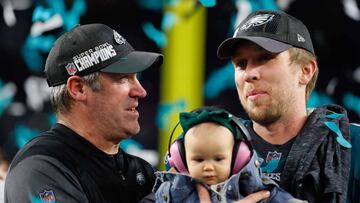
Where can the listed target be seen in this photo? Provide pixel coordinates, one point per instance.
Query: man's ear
(307, 72)
(76, 88)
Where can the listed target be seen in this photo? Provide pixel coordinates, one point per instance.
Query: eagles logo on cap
(118, 38)
(257, 20)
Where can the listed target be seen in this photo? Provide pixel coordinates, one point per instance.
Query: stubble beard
(264, 114)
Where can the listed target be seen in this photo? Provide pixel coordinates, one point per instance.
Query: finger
(172, 169)
(204, 196)
(255, 197)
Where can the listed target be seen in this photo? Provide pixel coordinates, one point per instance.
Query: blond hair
(301, 57)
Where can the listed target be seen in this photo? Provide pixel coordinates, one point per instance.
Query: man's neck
(283, 130)
(89, 132)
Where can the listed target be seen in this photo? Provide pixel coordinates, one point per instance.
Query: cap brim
(227, 47)
(134, 62)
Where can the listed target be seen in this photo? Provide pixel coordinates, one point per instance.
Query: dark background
(334, 27)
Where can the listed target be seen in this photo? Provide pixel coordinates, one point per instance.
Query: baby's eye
(219, 158)
(198, 159)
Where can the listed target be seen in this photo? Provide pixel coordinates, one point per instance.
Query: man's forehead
(245, 47)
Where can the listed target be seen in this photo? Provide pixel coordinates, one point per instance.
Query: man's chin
(135, 130)
(263, 118)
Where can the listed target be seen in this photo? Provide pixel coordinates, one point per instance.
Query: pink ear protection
(242, 150)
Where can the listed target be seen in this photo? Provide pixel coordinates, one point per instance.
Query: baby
(214, 149)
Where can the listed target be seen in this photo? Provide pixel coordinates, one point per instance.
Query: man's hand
(255, 197)
(204, 196)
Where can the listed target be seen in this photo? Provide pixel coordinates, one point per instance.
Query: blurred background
(188, 33)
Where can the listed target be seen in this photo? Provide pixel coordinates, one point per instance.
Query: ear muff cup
(178, 157)
(241, 156)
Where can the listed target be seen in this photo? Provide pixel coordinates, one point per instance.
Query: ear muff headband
(242, 127)
(172, 133)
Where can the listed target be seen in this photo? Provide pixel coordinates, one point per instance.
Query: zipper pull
(122, 175)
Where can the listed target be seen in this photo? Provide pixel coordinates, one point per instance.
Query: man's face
(267, 84)
(114, 107)
(208, 149)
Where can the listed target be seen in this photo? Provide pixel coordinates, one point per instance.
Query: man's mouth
(132, 109)
(255, 92)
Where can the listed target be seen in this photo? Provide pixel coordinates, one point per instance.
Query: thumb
(255, 197)
(204, 196)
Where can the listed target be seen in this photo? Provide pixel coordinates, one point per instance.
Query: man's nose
(138, 90)
(252, 73)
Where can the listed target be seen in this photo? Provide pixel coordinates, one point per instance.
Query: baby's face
(208, 149)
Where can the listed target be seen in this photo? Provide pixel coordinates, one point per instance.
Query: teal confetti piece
(157, 36)
(165, 111)
(168, 21)
(208, 3)
(334, 115)
(340, 138)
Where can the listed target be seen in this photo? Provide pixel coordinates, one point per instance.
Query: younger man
(306, 151)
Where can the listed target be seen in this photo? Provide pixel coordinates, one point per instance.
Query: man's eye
(265, 57)
(241, 64)
(122, 79)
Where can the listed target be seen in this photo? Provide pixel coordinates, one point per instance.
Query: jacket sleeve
(41, 178)
(354, 179)
(335, 172)
(150, 198)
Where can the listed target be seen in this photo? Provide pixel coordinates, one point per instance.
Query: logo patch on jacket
(47, 196)
(140, 178)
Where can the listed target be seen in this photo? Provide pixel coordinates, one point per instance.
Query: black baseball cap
(275, 31)
(94, 47)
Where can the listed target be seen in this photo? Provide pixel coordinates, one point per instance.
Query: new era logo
(300, 38)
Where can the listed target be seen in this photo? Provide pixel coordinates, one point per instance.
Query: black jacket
(59, 164)
(317, 167)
